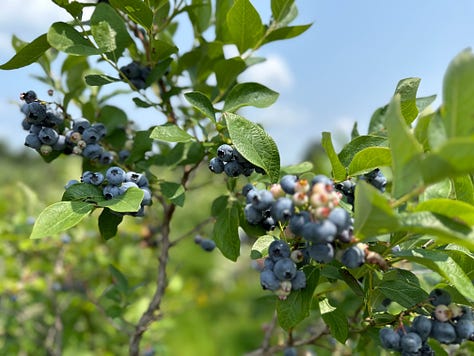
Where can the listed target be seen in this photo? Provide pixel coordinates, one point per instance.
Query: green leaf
(457, 210)
(254, 144)
(464, 188)
(136, 10)
(358, 144)
(281, 9)
(226, 233)
(141, 103)
(295, 308)
(436, 132)
(458, 91)
(336, 320)
(128, 202)
(83, 192)
(113, 117)
(423, 102)
(28, 54)
(65, 38)
(406, 151)
(227, 70)
(59, 217)
(373, 214)
(284, 33)
(109, 30)
(202, 103)
(338, 170)
(260, 246)
(407, 89)
(454, 158)
(368, 159)
(174, 192)
(108, 223)
(200, 14)
(249, 94)
(444, 265)
(377, 122)
(100, 79)
(170, 133)
(297, 169)
(159, 71)
(162, 49)
(438, 227)
(245, 25)
(403, 292)
(72, 7)
(119, 279)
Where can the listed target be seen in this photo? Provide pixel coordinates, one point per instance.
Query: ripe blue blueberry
(298, 221)
(284, 269)
(410, 342)
(288, 183)
(341, 218)
(321, 252)
(207, 244)
(247, 188)
(439, 296)
(262, 200)
(92, 151)
(115, 175)
(278, 249)
(146, 195)
(233, 169)
(106, 158)
(389, 339)
(90, 135)
(444, 332)
(282, 209)
(353, 257)
(137, 178)
(225, 152)
(48, 136)
(60, 144)
(290, 351)
(422, 325)
(33, 141)
(216, 165)
(321, 178)
(319, 231)
(36, 112)
(299, 281)
(268, 280)
(464, 329)
(80, 124)
(111, 191)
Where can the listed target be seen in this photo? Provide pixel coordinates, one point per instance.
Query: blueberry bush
(373, 256)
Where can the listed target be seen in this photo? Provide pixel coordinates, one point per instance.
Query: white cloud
(275, 73)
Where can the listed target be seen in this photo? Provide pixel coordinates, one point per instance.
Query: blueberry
(290, 351)
(233, 169)
(288, 183)
(33, 141)
(106, 158)
(225, 152)
(123, 155)
(282, 209)
(92, 151)
(90, 135)
(319, 231)
(299, 281)
(60, 144)
(261, 200)
(216, 165)
(439, 296)
(268, 223)
(252, 214)
(36, 112)
(464, 329)
(48, 136)
(284, 269)
(111, 191)
(422, 325)
(29, 96)
(146, 194)
(115, 175)
(443, 332)
(321, 252)
(268, 263)
(137, 178)
(298, 221)
(389, 339)
(79, 125)
(207, 244)
(268, 280)
(247, 188)
(353, 257)
(278, 249)
(71, 183)
(321, 178)
(410, 342)
(341, 218)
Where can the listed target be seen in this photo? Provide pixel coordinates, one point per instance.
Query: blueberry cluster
(48, 132)
(115, 182)
(449, 323)
(312, 214)
(205, 243)
(136, 73)
(230, 161)
(375, 178)
(280, 273)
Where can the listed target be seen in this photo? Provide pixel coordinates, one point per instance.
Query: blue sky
(344, 67)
